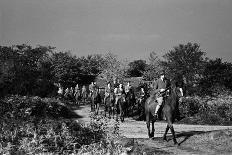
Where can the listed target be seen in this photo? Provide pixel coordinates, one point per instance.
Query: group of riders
(159, 88)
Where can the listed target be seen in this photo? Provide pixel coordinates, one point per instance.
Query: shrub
(189, 106)
(207, 110)
(24, 131)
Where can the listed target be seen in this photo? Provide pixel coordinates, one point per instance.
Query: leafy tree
(66, 69)
(21, 68)
(136, 68)
(112, 68)
(153, 67)
(216, 73)
(91, 67)
(185, 61)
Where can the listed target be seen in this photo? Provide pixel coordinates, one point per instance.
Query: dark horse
(130, 102)
(109, 105)
(95, 101)
(120, 107)
(169, 110)
(77, 96)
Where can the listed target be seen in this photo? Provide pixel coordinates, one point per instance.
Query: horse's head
(176, 90)
(123, 97)
(111, 97)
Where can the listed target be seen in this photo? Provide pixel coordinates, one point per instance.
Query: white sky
(129, 28)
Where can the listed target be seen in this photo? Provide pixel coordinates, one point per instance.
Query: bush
(23, 129)
(207, 110)
(189, 106)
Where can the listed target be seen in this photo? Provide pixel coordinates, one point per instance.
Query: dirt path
(137, 131)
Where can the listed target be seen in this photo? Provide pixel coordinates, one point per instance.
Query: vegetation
(24, 129)
(33, 122)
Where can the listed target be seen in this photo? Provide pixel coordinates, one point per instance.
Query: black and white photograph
(115, 77)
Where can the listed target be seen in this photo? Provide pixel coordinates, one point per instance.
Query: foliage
(186, 61)
(25, 130)
(207, 110)
(66, 69)
(189, 106)
(136, 68)
(216, 76)
(153, 67)
(112, 68)
(26, 70)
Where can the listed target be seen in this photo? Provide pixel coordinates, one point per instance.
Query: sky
(131, 29)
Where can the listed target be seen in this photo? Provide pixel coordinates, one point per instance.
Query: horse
(77, 96)
(141, 105)
(109, 105)
(120, 107)
(130, 102)
(96, 101)
(170, 107)
(84, 95)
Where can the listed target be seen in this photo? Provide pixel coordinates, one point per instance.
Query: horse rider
(115, 83)
(91, 88)
(127, 87)
(160, 86)
(142, 94)
(118, 91)
(108, 90)
(60, 90)
(95, 86)
(84, 92)
(76, 89)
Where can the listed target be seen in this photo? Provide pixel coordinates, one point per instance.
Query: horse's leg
(165, 133)
(92, 106)
(173, 132)
(105, 109)
(148, 125)
(122, 112)
(98, 106)
(153, 128)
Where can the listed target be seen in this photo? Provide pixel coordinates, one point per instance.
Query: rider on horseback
(127, 87)
(160, 87)
(91, 89)
(108, 90)
(118, 91)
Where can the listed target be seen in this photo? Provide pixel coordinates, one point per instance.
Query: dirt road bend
(187, 136)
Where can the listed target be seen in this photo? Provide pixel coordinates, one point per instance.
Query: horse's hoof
(165, 139)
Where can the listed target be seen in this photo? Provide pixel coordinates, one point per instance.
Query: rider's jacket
(160, 84)
(107, 91)
(127, 88)
(83, 89)
(118, 91)
(91, 87)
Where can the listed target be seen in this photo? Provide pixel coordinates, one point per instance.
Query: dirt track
(137, 131)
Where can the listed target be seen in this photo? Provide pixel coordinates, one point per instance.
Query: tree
(153, 67)
(112, 68)
(216, 74)
(21, 68)
(92, 64)
(91, 67)
(136, 68)
(66, 69)
(185, 61)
